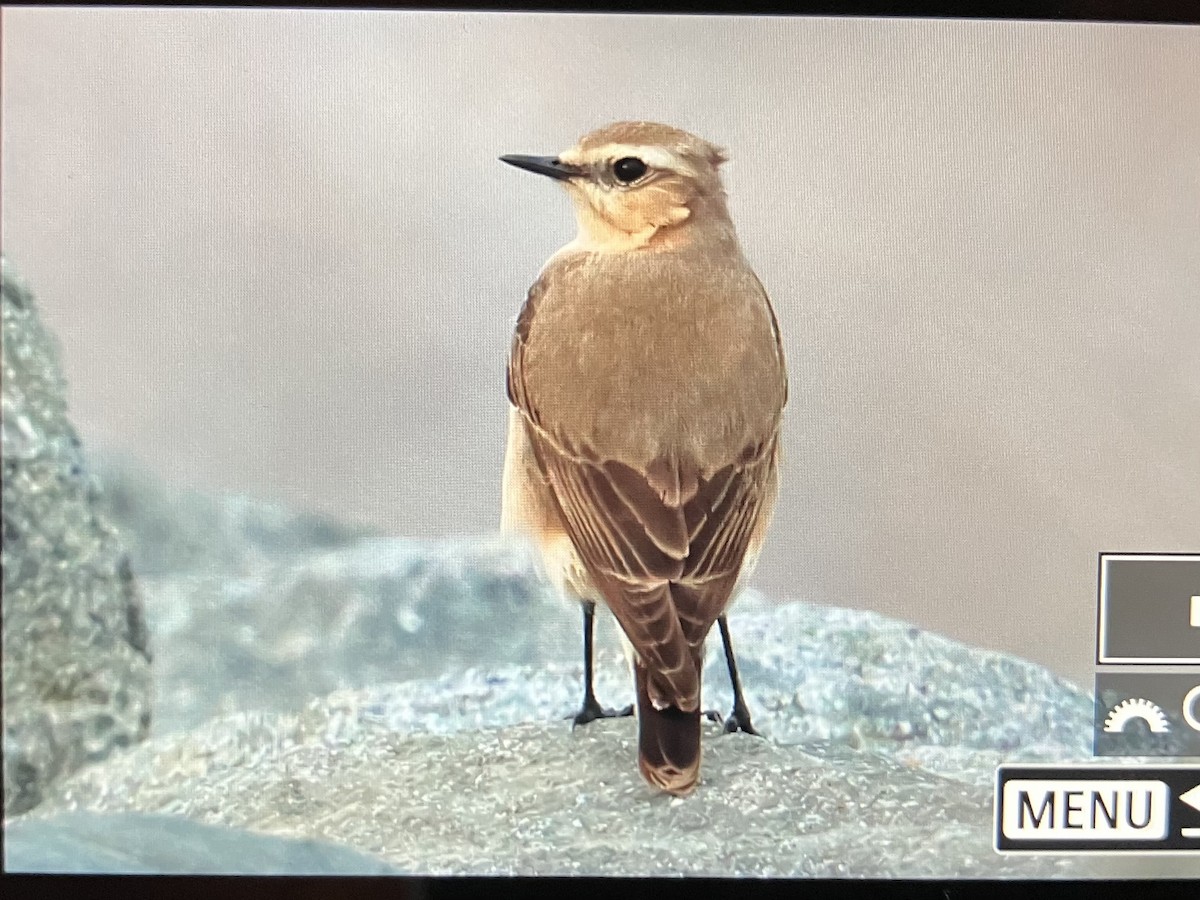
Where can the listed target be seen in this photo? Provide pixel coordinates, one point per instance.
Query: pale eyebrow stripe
(656, 157)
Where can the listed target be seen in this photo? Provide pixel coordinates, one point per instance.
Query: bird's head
(639, 185)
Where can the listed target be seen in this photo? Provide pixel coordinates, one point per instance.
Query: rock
(378, 611)
(174, 531)
(407, 700)
(472, 768)
(879, 755)
(255, 607)
(139, 844)
(541, 799)
(465, 619)
(76, 650)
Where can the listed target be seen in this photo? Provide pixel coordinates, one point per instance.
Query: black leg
(592, 709)
(739, 720)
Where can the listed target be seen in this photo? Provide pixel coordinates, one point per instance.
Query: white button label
(1041, 810)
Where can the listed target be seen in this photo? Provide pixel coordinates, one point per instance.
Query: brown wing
(664, 546)
(666, 571)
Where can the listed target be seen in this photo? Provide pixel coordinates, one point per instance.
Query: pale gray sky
(281, 257)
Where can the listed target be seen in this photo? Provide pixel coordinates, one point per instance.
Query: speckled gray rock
(541, 799)
(76, 658)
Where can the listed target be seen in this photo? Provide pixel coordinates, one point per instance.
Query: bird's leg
(591, 707)
(739, 719)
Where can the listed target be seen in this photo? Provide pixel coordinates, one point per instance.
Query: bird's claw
(739, 720)
(733, 723)
(593, 710)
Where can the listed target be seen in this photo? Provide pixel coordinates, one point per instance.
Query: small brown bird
(647, 384)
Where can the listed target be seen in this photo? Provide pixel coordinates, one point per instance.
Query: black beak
(543, 165)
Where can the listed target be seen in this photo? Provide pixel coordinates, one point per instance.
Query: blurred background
(281, 258)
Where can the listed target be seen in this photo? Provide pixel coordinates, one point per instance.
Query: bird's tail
(668, 741)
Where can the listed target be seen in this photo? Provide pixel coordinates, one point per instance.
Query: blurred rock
(176, 531)
(76, 657)
(468, 617)
(811, 674)
(139, 844)
(378, 611)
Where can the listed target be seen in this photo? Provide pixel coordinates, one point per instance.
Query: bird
(647, 384)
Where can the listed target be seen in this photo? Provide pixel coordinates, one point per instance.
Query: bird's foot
(739, 720)
(592, 710)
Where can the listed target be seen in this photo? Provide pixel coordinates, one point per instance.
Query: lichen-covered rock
(76, 657)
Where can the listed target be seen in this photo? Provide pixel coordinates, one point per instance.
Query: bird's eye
(629, 169)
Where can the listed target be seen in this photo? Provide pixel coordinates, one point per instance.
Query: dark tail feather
(668, 742)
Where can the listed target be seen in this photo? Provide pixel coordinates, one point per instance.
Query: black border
(17, 887)
(283, 888)
(1182, 12)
